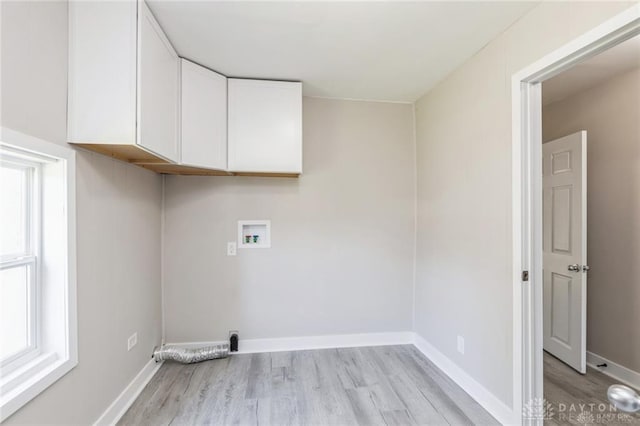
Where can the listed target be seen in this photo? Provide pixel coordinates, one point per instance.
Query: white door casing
(564, 171)
(527, 199)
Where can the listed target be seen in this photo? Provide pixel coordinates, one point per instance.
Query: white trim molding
(324, 342)
(482, 395)
(121, 404)
(249, 346)
(614, 370)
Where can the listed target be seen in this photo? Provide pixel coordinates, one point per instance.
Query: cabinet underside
(135, 155)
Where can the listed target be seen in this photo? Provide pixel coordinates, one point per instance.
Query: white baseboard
(248, 346)
(122, 403)
(614, 370)
(486, 399)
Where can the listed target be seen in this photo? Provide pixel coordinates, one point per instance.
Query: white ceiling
(617, 60)
(393, 51)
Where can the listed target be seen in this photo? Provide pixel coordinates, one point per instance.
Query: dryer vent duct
(190, 356)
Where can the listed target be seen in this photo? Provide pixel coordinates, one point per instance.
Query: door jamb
(526, 92)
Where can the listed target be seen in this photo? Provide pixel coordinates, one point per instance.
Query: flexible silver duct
(189, 356)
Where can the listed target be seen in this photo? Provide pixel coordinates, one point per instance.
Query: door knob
(586, 268)
(574, 268)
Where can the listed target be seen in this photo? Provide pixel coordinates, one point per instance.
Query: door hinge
(525, 276)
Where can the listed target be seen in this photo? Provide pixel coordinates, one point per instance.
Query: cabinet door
(158, 80)
(102, 72)
(265, 126)
(203, 117)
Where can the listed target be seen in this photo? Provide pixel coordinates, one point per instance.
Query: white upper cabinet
(265, 126)
(123, 82)
(102, 72)
(133, 98)
(158, 88)
(203, 117)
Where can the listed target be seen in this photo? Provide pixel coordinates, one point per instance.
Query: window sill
(23, 384)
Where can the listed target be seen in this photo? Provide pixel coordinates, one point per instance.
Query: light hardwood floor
(565, 388)
(389, 385)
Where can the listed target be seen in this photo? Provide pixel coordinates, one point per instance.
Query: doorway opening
(530, 237)
(591, 234)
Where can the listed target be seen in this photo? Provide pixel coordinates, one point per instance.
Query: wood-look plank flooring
(385, 385)
(565, 388)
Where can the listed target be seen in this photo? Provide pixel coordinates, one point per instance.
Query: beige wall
(610, 113)
(464, 261)
(118, 225)
(342, 236)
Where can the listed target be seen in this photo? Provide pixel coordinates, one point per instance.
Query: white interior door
(564, 172)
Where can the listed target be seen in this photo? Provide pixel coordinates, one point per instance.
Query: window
(38, 337)
(19, 234)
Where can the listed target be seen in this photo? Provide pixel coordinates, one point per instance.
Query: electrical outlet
(231, 248)
(461, 344)
(132, 341)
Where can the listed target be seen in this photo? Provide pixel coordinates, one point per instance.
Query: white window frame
(28, 257)
(54, 348)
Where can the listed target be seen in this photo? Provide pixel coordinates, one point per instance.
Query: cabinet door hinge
(525, 276)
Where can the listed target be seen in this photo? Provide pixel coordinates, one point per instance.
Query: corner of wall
(415, 217)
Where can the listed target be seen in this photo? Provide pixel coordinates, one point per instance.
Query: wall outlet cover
(132, 341)
(231, 248)
(461, 344)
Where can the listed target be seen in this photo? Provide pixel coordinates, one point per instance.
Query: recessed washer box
(254, 234)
